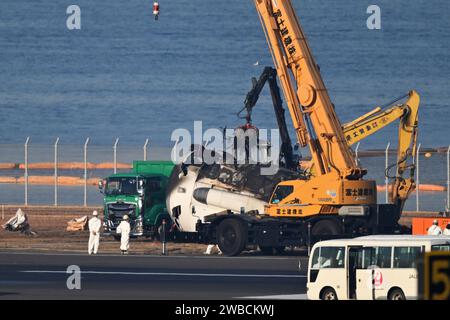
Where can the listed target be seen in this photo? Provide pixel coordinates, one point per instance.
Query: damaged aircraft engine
(198, 190)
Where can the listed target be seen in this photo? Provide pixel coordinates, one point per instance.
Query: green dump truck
(141, 194)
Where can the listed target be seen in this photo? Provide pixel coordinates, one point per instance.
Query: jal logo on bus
(374, 277)
(377, 278)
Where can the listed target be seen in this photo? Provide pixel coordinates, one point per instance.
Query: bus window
(328, 257)
(405, 257)
(374, 256)
(365, 257)
(440, 247)
(382, 257)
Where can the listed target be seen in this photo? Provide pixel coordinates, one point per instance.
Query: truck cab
(140, 194)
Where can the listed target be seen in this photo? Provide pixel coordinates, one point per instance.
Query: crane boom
(314, 118)
(377, 119)
(269, 75)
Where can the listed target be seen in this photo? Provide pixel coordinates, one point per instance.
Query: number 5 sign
(436, 276)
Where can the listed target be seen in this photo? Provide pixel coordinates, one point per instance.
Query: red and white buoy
(156, 9)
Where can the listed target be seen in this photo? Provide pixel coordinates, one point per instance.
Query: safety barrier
(70, 180)
(50, 180)
(422, 187)
(420, 225)
(64, 165)
(8, 166)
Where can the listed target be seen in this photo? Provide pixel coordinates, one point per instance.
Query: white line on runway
(177, 274)
(75, 254)
(302, 296)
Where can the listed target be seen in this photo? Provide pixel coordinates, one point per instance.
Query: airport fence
(118, 157)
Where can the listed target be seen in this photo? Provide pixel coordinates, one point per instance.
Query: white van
(370, 267)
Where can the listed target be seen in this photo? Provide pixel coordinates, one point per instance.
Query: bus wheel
(231, 237)
(328, 294)
(326, 228)
(396, 294)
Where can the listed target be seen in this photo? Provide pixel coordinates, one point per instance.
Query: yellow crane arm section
(309, 104)
(377, 119)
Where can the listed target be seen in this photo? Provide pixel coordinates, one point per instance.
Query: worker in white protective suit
(124, 230)
(19, 223)
(16, 222)
(210, 247)
(94, 233)
(446, 231)
(435, 230)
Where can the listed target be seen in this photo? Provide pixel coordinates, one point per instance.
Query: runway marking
(301, 296)
(77, 254)
(177, 274)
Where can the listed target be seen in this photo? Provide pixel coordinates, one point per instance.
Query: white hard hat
(95, 213)
(435, 222)
(125, 217)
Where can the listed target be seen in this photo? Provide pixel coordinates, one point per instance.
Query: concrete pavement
(44, 276)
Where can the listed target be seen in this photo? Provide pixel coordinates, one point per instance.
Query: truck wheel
(231, 237)
(326, 228)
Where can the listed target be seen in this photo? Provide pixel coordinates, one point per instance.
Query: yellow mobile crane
(337, 188)
(334, 200)
(354, 131)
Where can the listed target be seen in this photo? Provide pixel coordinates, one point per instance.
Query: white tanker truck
(224, 205)
(193, 198)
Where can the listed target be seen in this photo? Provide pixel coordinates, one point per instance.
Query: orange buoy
(156, 9)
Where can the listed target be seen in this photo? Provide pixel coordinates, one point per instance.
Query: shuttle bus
(370, 267)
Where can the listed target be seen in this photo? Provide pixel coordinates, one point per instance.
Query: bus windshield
(117, 186)
(328, 257)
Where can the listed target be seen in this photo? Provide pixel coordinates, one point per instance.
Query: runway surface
(44, 276)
